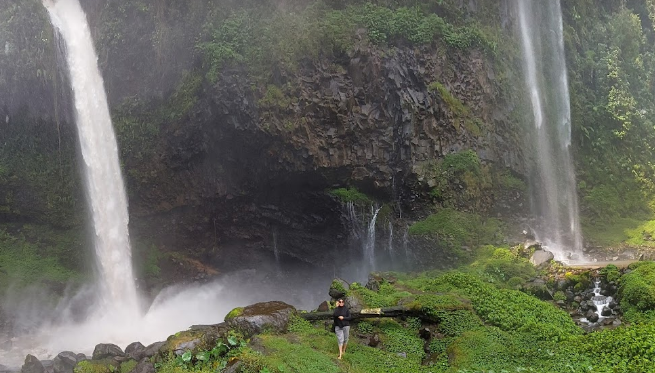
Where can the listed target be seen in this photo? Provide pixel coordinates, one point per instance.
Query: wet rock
(612, 304)
(144, 366)
(608, 321)
(64, 362)
(591, 316)
(267, 315)
(402, 354)
(81, 357)
(373, 284)
(32, 365)
(136, 351)
(537, 288)
(541, 258)
(323, 307)
(107, 350)
(425, 333)
(354, 304)
(606, 311)
(374, 340)
(153, 349)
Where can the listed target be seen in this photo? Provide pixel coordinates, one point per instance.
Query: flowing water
(104, 183)
(552, 176)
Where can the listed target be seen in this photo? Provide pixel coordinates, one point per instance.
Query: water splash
(104, 182)
(552, 176)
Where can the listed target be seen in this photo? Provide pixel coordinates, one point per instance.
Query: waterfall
(369, 244)
(102, 171)
(392, 254)
(552, 177)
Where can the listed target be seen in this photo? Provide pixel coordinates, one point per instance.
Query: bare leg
(344, 347)
(341, 350)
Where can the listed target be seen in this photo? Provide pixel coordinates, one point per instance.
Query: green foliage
(387, 296)
(128, 366)
(267, 37)
(351, 195)
(456, 229)
(637, 290)
(30, 257)
(396, 338)
(610, 273)
(626, 349)
(364, 327)
(453, 103)
(499, 265)
(88, 366)
(274, 98)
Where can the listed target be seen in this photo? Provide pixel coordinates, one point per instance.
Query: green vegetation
(611, 60)
(351, 195)
(234, 313)
(264, 37)
(455, 229)
(32, 256)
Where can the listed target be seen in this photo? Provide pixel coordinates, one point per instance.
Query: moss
(92, 366)
(234, 313)
(637, 290)
(458, 229)
(351, 195)
(128, 366)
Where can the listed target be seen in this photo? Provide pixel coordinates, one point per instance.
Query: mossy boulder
(272, 316)
(234, 313)
(338, 288)
(199, 338)
(107, 350)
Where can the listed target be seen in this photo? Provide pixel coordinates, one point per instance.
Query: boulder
(541, 258)
(538, 288)
(144, 366)
(153, 349)
(591, 316)
(64, 362)
(606, 311)
(374, 340)
(107, 350)
(32, 365)
(338, 288)
(323, 307)
(255, 318)
(196, 339)
(136, 351)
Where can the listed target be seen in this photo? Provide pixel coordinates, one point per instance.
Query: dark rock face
(230, 170)
(107, 350)
(260, 316)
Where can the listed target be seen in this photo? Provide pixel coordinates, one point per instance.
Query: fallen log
(396, 311)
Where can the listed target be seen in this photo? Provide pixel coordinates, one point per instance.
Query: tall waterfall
(552, 177)
(104, 182)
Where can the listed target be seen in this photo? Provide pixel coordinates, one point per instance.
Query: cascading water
(369, 245)
(552, 176)
(601, 305)
(102, 171)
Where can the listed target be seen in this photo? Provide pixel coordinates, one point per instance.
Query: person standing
(342, 325)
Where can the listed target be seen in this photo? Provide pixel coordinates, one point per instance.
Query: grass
(629, 231)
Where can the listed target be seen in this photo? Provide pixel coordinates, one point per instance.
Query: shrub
(637, 288)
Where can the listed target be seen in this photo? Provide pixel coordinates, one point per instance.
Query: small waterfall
(552, 177)
(369, 244)
(276, 254)
(599, 301)
(102, 171)
(353, 219)
(392, 253)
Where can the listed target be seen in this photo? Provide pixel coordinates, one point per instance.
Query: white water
(102, 171)
(552, 176)
(600, 301)
(369, 244)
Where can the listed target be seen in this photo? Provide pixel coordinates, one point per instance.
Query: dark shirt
(341, 311)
